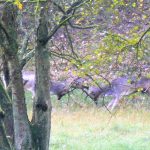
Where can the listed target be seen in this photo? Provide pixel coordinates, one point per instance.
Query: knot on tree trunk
(42, 106)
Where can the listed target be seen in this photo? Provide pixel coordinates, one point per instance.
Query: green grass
(91, 129)
(79, 125)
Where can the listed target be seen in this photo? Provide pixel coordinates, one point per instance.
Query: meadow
(81, 126)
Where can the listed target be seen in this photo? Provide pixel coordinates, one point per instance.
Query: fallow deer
(58, 88)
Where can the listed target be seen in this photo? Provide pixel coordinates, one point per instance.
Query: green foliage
(18, 4)
(111, 50)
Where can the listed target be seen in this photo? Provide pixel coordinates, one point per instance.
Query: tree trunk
(21, 124)
(6, 125)
(22, 134)
(6, 74)
(5, 70)
(6, 105)
(4, 142)
(42, 105)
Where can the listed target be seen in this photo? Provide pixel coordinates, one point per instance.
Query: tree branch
(81, 27)
(26, 58)
(55, 29)
(67, 16)
(70, 42)
(22, 51)
(5, 31)
(141, 38)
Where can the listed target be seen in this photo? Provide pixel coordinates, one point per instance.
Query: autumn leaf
(18, 4)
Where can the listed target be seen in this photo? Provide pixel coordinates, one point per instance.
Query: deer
(94, 93)
(29, 82)
(58, 88)
(117, 89)
(78, 83)
(143, 85)
(120, 87)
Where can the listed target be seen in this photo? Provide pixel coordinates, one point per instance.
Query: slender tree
(42, 105)
(22, 134)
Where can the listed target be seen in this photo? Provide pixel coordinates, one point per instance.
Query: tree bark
(21, 124)
(4, 142)
(5, 70)
(6, 74)
(6, 105)
(42, 105)
(22, 133)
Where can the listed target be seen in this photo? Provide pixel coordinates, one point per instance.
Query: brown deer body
(58, 88)
(119, 87)
(122, 86)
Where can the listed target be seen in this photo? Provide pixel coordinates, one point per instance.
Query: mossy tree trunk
(42, 105)
(22, 133)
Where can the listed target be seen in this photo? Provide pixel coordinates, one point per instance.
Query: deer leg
(96, 102)
(110, 103)
(68, 99)
(33, 94)
(59, 96)
(115, 103)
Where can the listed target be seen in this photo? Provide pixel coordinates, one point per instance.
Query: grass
(81, 126)
(92, 129)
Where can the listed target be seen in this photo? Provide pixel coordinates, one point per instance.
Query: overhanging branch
(66, 17)
(81, 27)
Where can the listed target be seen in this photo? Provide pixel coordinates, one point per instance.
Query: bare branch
(55, 29)
(26, 58)
(70, 42)
(22, 51)
(141, 38)
(59, 7)
(81, 27)
(67, 16)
